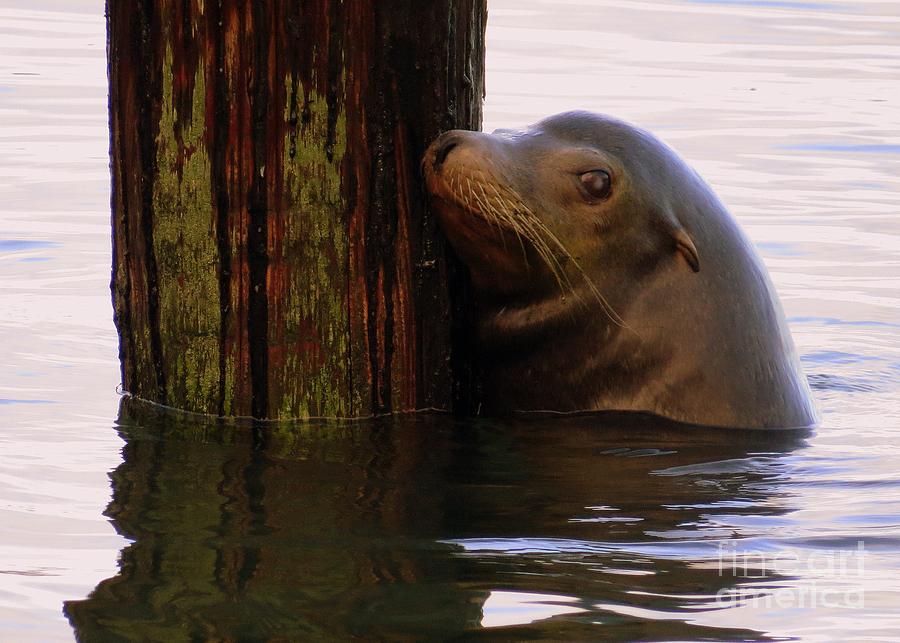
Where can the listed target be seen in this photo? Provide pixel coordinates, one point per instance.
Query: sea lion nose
(443, 149)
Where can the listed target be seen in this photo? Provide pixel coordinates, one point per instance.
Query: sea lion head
(608, 276)
(562, 205)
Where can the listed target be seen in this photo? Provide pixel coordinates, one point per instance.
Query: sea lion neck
(510, 321)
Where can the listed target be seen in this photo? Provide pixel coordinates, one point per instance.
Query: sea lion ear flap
(685, 245)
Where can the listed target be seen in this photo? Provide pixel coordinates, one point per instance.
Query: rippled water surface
(122, 525)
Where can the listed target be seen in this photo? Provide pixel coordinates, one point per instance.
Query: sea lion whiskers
(487, 212)
(523, 225)
(537, 231)
(531, 227)
(526, 226)
(501, 216)
(605, 305)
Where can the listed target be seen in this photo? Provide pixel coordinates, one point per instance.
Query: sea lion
(608, 276)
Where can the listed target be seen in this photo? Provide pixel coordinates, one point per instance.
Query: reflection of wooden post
(272, 252)
(279, 534)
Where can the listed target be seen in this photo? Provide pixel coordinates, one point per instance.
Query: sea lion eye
(596, 184)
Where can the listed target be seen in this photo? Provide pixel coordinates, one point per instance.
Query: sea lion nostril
(443, 150)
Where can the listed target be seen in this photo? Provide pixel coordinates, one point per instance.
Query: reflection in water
(422, 527)
(247, 532)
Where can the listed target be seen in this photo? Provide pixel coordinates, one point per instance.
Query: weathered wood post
(272, 251)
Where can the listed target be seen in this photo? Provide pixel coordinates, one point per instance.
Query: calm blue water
(124, 525)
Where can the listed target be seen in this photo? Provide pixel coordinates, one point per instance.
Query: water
(423, 528)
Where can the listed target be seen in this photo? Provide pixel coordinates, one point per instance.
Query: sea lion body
(609, 276)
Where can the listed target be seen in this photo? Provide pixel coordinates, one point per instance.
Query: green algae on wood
(309, 341)
(185, 246)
